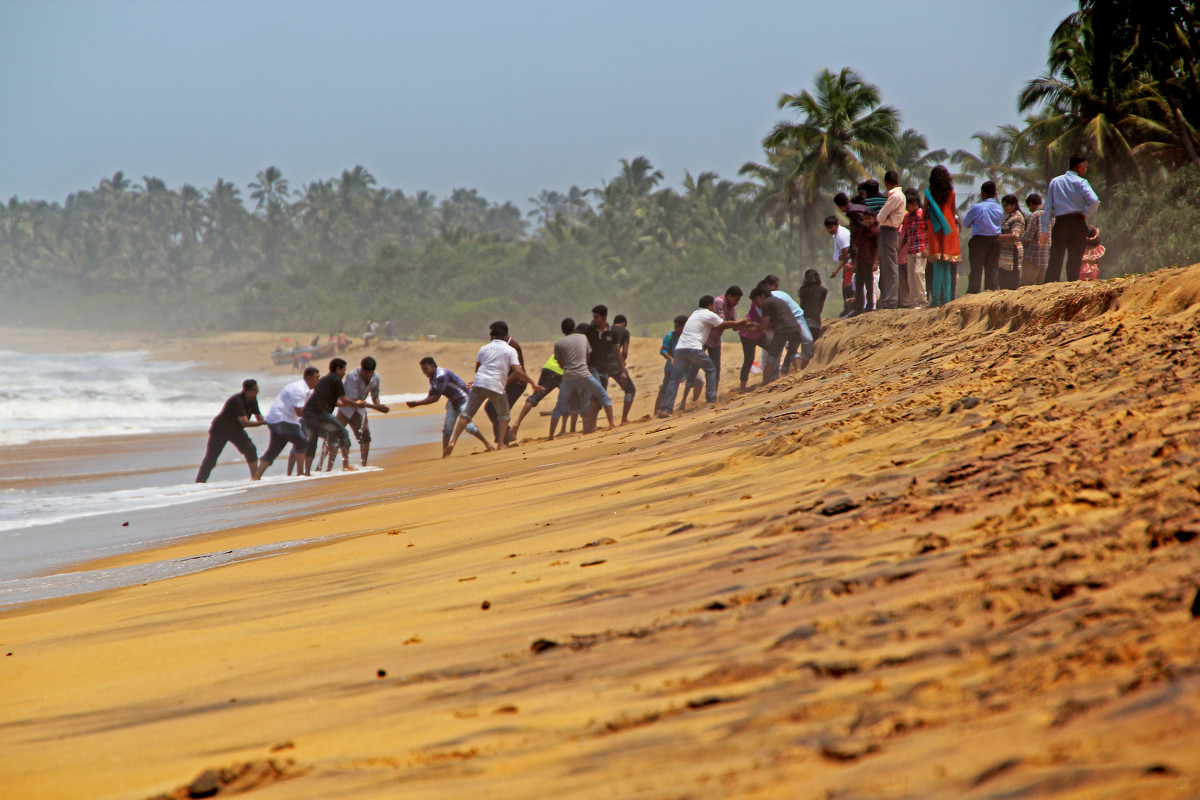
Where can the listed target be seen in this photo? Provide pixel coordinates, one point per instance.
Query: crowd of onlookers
(900, 248)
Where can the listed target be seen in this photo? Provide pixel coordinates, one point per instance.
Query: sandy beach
(954, 558)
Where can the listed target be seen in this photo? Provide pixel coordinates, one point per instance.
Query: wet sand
(952, 559)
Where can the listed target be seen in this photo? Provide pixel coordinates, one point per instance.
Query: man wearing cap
(230, 426)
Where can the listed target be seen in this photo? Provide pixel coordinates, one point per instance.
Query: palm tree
(913, 158)
(1098, 104)
(844, 133)
(998, 160)
(269, 191)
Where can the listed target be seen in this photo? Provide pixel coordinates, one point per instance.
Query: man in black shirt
(328, 394)
(230, 426)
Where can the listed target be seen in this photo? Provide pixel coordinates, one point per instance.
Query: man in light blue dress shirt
(1070, 200)
(984, 220)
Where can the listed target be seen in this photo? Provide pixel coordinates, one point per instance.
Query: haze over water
(90, 441)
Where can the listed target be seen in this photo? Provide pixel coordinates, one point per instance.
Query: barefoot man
(361, 383)
(328, 394)
(283, 420)
(444, 383)
(493, 365)
(230, 426)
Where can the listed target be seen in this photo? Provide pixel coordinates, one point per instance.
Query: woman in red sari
(943, 250)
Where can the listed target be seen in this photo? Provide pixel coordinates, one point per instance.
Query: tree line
(1121, 86)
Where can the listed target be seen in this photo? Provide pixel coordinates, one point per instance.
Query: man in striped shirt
(444, 383)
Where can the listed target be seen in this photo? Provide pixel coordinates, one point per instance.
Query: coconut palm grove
(1121, 86)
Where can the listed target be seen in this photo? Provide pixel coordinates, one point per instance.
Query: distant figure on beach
(667, 351)
(943, 251)
(690, 357)
(1012, 230)
(725, 307)
(319, 422)
(283, 420)
(494, 363)
(1036, 241)
(579, 386)
(360, 383)
(780, 322)
(444, 383)
(618, 361)
(550, 379)
(812, 296)
(913, 243)
(513, 389)
(805, 341)
(841, 257)
(983, 249)
(1070, 200)
(891, 217)
(230, 427)
(390, 330)
(1090, 269)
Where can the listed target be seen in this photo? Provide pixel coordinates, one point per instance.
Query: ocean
(98, 457)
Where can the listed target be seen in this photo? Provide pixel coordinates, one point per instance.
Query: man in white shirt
(492, 366)
(283, 420)
(690, 357)
(360, 383)
(841, 256)
(891, 217)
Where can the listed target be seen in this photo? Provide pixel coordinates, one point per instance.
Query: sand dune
(955, 558)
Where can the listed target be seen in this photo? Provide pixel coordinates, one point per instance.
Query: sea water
(98, 456)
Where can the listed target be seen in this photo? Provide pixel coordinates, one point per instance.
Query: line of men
(302, 414)
(582, 363)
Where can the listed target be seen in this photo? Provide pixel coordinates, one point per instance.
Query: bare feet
(348, 467)
(449, 448)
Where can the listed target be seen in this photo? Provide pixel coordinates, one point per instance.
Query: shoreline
(953, 559)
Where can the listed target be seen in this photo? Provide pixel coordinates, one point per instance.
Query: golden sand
(952, 559)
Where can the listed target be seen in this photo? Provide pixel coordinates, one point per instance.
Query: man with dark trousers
(983, 250)
(328, 394)
(1070, 200)
(230, 427)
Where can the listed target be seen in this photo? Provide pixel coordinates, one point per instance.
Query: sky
(508, 97)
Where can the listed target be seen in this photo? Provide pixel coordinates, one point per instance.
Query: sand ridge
(954, 558)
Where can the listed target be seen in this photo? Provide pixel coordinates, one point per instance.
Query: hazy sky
(506, 97)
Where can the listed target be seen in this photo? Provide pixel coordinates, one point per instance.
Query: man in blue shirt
(983, 250)
(1069, 202)
(444, 383)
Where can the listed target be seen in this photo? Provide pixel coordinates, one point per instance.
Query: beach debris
(288, 745)
(704, 702)
(594, 563)
(602, 541)
(847, 750)
(235, 780)
(125, 524)
(206, 784)
(929, 543)
(381, 673)
(1195, 607)
(463, 580)
(506, 710)
(995, 769)
(485, 605)
(838, 505)
(967, 402)
(680, 529)
(542, 645)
